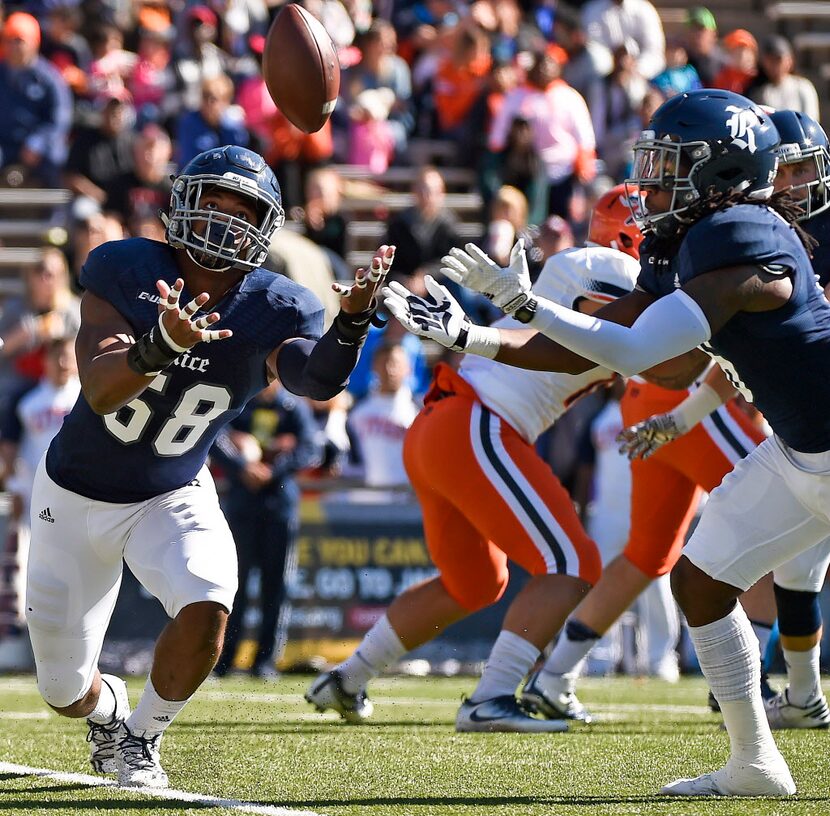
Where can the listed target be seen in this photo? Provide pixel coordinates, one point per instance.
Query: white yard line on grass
(24, 715)
(156, 793)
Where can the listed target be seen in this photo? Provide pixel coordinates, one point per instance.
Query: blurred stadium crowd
(457, 121)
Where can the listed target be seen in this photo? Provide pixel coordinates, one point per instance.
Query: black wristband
(354, 327)
(150, 353)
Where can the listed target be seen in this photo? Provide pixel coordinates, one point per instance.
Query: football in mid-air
(300, 68)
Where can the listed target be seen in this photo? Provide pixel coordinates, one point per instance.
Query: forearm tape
(669, 327)
(151, 353)
(321, 370)
(696, 407)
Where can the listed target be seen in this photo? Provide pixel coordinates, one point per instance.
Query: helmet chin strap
(192, 253)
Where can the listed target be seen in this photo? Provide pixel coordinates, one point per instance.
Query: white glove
(471, 267)
(440, 318)
(647, 437)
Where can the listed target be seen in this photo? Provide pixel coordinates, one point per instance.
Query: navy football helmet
(700, 142)
(804, 139)
(217, 240)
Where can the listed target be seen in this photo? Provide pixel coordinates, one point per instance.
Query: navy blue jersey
(779, 359)
(819, 228)
(159, 441)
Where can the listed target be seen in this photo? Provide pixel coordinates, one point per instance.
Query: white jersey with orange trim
(531, 401)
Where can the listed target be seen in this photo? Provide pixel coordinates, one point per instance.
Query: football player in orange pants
(665, 493)
(487, 496)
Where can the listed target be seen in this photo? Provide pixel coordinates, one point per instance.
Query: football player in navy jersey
(724, 266)
(804, 171)
(175, 338)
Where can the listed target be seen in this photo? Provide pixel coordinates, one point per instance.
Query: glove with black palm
(439, 317)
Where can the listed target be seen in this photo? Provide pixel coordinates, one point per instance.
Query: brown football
(300, 68)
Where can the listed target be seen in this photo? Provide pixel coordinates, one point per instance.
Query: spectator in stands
(47, 310)
(705, 55)
(145, 189)
(26, 431)
(679, 75)
(634, 24)
(147, 226)
(513, 33)
(323, 221)
(378, 93)
(508, 223)
(260, 453)
(777, 86)
(379, 422)
(561, 124)
(214, 124)
(36, 105)
(64, 47)
(197, 55)
(429, 52)
(256, 102)
(459, 81)
(426, 231)
(111, 63)
(364, 379)
(588, 60)
(152, 81)
(338, 18)
(521, 167)
(553, 235)
(35, 418)
(331, 435)
(742, 62)
(618, 115)
(101, 156)
(91, 227)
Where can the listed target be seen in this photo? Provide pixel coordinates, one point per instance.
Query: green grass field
(262, 743)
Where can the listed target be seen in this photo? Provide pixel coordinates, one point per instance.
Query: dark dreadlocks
(712, 202)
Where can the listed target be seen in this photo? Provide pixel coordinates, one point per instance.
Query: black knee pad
(799, 612)
(577, 631)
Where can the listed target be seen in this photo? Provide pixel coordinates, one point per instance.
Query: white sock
(728, 653)
(105, 707)
(763, 632)
(380, 648)
(568, 656)
(510, 660)
(153, 714)
(804, 683)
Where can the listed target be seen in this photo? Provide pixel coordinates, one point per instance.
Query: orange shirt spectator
(461, 78)
(742, 49)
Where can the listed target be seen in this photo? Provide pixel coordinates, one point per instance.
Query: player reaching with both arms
(499, 500)
(724, 266)
(175, 338)
(803, 172)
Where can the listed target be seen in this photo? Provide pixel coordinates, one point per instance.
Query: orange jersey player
(498, 501)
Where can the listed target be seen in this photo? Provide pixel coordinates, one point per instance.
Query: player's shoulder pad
(108, 265)
(596, 272)
(744, 234)
(284, 294)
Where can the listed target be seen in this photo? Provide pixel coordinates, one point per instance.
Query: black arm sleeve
(320, 369)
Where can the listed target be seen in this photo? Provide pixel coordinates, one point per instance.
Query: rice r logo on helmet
(741, 124)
